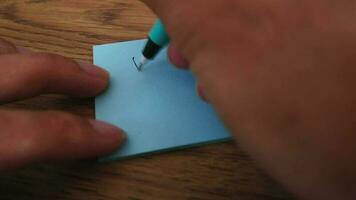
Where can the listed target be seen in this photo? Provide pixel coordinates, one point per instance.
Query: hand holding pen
(281, 76)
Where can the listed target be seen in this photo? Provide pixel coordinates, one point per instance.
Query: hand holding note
(281, 74)
(34, 136)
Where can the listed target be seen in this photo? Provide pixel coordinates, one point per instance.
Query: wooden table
(71, 28)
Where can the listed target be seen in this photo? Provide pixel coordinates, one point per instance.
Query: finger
(29, 137)
(30, 74)
(177, 58)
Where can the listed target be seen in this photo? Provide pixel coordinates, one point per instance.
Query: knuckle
(46, 66)
(44, 59)
(61, 122)
(47, 58)
(66, 126)
(50, 129)
(28, 146)
(48, 62)
(41, 64)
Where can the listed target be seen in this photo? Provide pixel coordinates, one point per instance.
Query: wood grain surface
(71, 28)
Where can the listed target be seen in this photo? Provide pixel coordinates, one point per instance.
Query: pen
(156, 40)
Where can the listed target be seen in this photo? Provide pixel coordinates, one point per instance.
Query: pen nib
(139, 66)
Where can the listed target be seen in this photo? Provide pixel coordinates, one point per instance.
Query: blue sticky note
(157, 107)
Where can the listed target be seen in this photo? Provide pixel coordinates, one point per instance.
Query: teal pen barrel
(157, 38)
(158, 34)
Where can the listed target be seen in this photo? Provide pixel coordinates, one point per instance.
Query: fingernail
(107, 129)
(93, 70)
(200, 93)
(177, 59)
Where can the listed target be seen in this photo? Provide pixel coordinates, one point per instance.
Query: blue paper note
(157, 108)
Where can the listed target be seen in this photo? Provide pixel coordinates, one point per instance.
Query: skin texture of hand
(281, 76)
(41, 136)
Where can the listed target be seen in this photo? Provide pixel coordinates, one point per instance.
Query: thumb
(52, 136)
